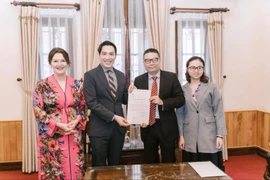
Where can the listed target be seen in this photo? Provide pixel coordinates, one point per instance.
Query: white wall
(263, 42)
(245, 48)
(10, 91)
(10, 69)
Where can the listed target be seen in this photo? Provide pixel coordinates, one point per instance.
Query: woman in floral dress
(60, 110)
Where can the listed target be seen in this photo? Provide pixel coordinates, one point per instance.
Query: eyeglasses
(154, 60)
(193, 68)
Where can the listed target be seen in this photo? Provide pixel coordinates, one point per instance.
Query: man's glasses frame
(154, 60)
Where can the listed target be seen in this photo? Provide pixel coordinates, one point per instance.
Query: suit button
(197, 112)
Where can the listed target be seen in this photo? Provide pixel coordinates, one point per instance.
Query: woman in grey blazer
(201, 120)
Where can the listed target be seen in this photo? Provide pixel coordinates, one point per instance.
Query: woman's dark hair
(204, 78)
(107, 43)
(58, 50)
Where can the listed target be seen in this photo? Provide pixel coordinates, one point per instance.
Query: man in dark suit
(105, 91)
(162, 130)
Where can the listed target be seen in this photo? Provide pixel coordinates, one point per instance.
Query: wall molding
(11, 166)
(247, 150)
(246, 110)
(10, 120)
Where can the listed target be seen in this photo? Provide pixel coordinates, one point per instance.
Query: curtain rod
(47, 5)
(198, 10)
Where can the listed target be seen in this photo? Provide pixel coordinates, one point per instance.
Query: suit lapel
(144, 83)
(103, 79)
(162, 79)
(187, 90)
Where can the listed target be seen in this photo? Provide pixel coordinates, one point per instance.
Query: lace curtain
(57, 29)
(138, 37)
(192, 41)
(114, 30)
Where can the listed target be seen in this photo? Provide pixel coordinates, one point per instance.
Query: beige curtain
(29, 38)
(215, 27)
(156, 22)
(92, 21)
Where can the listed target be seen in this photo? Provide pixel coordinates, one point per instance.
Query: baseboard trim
(11, 166)
(247, 150)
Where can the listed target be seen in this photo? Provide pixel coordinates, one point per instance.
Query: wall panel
(248, 128)
(10, 141)
(245, 128)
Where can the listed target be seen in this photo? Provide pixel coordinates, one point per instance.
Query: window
(192, 41)
(56, 30)
(138, 37)
(114, 29)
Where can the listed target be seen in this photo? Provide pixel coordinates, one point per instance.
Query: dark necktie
(111, 83)
(152, 118)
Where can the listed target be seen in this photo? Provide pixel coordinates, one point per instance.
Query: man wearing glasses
(166, 95)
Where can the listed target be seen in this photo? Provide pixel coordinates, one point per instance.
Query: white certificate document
(138, 106)
(207, 169)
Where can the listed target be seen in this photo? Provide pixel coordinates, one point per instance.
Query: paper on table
(138, 106)
(206, 169)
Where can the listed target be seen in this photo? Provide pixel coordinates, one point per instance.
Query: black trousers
(156, 140)
(215, 158)
(107, 150)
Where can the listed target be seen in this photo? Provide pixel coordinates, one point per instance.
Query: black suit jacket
(102, 104)
(171, 93)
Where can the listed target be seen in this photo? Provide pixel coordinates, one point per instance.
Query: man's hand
(144, 125)
(131, 87)
(156, 100)
(121, 121)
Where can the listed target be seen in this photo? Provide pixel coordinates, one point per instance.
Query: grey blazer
(200, 123)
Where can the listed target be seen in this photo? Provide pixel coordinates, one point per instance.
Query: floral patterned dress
(60, 156)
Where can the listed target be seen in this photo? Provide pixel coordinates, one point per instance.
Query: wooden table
(147, 171)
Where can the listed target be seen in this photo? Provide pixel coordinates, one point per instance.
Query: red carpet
(246, 167)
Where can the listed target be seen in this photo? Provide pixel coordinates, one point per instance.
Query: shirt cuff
(113, 118)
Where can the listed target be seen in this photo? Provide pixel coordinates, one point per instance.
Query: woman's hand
(63, 126)
(68, 128)
(71, 132)
(73, 124)
(182, 142)
(219, 142)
